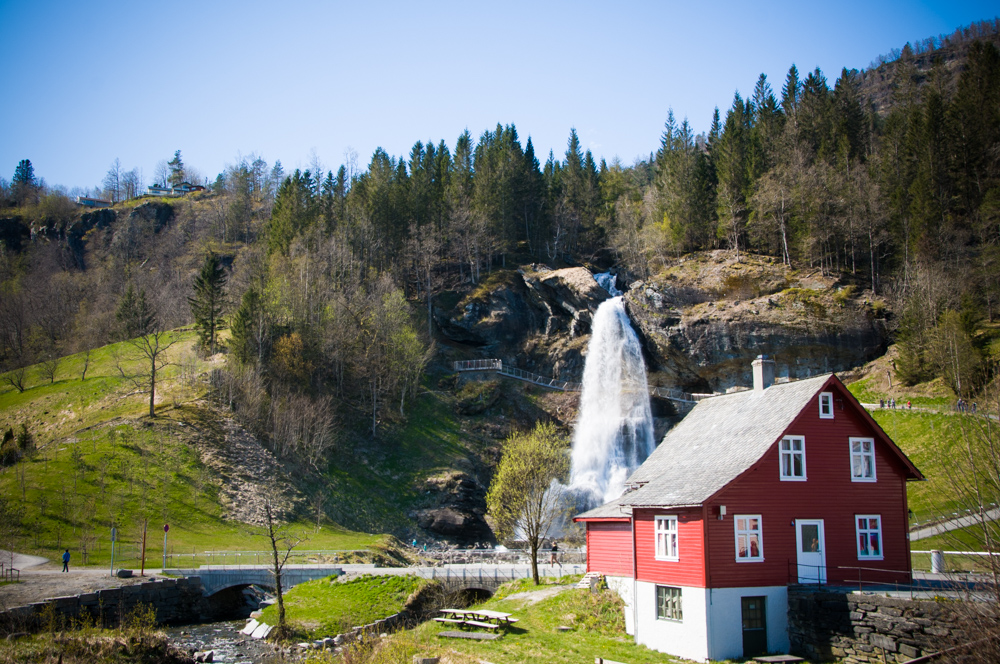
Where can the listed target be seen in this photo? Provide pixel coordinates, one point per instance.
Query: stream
(225, 639)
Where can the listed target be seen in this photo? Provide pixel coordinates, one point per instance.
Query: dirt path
(535, 596)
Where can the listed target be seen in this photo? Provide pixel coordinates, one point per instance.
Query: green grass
(378, 490)
(326, 607)
(595, 622)
(931, 441)
(101, 460)
(935, 396)
(962, 539)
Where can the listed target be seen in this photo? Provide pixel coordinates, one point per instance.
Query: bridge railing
(488, 557)
(495, 576)
(479, 365)
(556, 384)
(544, 381)
(241, 558)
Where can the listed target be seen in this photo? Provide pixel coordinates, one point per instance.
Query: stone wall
(174, 600)
(860, 628)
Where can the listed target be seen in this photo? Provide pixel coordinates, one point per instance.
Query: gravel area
(48, 580)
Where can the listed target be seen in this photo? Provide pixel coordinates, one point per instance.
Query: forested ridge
(888, 178)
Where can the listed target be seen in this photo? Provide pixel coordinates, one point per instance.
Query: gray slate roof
(717, 441)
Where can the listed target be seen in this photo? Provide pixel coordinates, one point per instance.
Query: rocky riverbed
(225, 643)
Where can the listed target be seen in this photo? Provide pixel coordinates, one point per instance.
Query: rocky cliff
(702, 321)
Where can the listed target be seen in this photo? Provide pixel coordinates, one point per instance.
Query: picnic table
(477, 618)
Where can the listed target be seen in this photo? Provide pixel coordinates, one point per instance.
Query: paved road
(21, 561)
(952, 524)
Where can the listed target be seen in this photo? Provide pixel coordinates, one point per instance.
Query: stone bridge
(219, 577)
(454, 577)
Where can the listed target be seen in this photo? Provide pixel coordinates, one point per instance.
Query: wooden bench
(450, 620)
(485, 625)
(478, 636)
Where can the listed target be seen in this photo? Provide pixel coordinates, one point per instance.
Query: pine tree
(24, 188)
(207, 303)
(177, 175)
(135, 316)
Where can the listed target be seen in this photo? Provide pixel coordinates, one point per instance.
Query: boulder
(461, 526)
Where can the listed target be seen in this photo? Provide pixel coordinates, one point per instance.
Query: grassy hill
(100, 462)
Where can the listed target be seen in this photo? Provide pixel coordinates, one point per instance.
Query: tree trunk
(152, 387)
(534, 560)
(277, 573)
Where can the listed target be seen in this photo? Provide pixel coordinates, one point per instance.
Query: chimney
(763, 373)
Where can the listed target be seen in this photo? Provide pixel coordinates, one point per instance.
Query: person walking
(65, 559)
(554, 558)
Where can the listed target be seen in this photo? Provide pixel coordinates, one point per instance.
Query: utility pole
(114, 537)
(142, 562)
(166, 527)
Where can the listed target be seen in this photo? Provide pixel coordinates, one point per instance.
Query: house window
(793, 458)
(668, 603)
(749, 545)
(666, 538)
(826, 405)
(863, 459)
(869, 529)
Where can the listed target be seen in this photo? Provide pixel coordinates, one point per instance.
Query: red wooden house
(751, 492)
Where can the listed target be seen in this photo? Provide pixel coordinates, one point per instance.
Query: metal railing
(492, 557)
(819, 576)
(536, 379)
(554, 383)
(9, 574)
(478, 365)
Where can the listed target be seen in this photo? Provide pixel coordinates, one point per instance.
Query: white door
(811, 550)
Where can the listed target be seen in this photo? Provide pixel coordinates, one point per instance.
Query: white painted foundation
(725, 620)
(712, 628)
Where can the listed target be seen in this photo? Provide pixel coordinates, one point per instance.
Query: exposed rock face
(158, 212)
(459, 511)
(534, 318)
(704, 340)
(13, 233)
(702, 321)
(87, 222)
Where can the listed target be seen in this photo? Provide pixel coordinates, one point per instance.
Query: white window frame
(863, 535)
(828, 398)
(673, 608)
(860, 456)
(790, 455)
(667, 539)
(748, 533)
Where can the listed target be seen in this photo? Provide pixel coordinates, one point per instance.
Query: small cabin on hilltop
(752, 492)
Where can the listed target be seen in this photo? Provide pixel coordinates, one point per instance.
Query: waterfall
(607, 281)
(614, 430)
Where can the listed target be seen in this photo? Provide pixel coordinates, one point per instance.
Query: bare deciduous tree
(282, 541)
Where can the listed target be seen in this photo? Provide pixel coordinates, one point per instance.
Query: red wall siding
(828, 494)
(689, 570)
(609, 548)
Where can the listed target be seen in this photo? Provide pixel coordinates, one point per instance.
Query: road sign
(166, 527)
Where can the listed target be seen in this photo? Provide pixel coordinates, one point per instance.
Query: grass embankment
(100, 460)
(328, 607)
(594, 627)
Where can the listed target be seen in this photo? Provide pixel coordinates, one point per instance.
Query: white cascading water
(614, 431)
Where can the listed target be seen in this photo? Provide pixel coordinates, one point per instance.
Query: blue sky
(86, 82)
